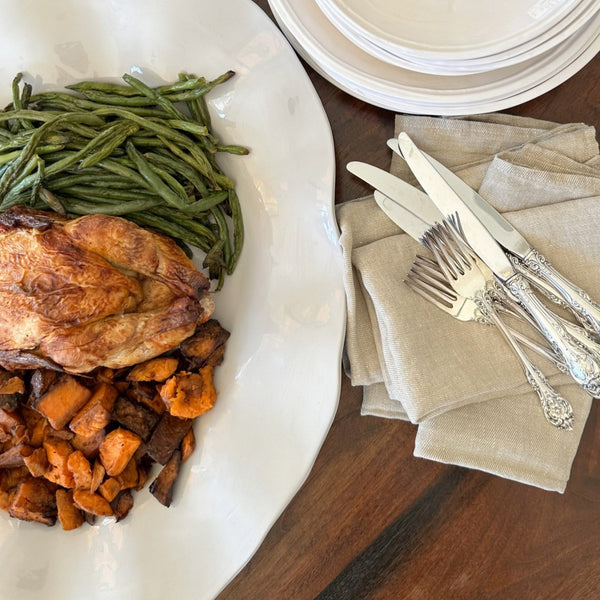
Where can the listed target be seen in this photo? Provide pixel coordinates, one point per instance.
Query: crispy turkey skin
(93, 291)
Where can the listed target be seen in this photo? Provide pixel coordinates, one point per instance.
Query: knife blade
(393, 187)
(579, 361)
(450, 203)
(405, 219)
(580, 303)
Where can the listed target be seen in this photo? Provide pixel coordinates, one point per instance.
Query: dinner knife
(579, 301)
(579, 361)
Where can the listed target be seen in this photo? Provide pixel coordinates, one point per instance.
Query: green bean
(152, 179)
(95, 207)
(181, 167)
(102, 194)
(154, 96)
(50, 200)
(108, 141)
(238, 229)
(219, 216)
(10, 156)
(59, 182)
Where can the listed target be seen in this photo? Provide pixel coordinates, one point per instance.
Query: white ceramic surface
(459, 28)
(447, 65)
(279, 385)
(394, 88)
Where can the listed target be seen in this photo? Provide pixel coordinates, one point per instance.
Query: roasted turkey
(93, 291)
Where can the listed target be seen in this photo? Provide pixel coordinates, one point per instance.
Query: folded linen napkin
(459, 381)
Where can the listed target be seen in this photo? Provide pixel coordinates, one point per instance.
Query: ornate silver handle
(586, 310)
(579, 361)
(556, 409)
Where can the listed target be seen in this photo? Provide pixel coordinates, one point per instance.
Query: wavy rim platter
(285, 305)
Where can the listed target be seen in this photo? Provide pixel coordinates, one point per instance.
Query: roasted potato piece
(69, 515)
(37, 462)
(156, 369)
(146, 394)
(62, 400)
(109, 489)
(98, 472)
(189, 395)
(117, 449)
(208, 337)
(135, 416)
(12, 389)
(92, 503)
(80, 468)
(90, 446)
(15, 456)
(96, 414)
(122, 504)
(58, 452)
(166, 437)
(188, 444)
(162, 487)
(34, 500)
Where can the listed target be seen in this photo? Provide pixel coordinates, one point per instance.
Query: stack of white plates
(443, 58)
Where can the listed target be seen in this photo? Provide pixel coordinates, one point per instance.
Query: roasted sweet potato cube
(58, 452)
(156, 369)
(166, 437)
(96, 414)
(109, 489)
(128, 477)
(41, 380)
(144, 467)
(92, 503)
(98, 472)
(162, 487)
(135, 416)
(122, 504)
(62, 400)
(208, 337)
(90, 446)
(38, 433)
(188, 395)
(15, 456)
(10, 420)
(37, 462)
(188, 445)
(12, 389)
(117, 449)
(69, 515)
(147, 395)
(35, 501)
(81, 469)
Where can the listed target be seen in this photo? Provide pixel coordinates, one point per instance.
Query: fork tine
(443, 305)
(443, 293)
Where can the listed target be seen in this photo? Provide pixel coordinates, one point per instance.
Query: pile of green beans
(147, 154)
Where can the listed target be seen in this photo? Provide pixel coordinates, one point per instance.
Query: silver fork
(462, 270)
(427, 279)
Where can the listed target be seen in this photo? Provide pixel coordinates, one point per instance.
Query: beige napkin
(459, 381)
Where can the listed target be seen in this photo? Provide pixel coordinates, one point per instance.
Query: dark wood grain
(372, 522)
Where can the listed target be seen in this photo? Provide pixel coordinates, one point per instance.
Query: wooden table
(374, 522)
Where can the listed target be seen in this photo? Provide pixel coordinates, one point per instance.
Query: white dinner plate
(394, 88)
(447, 65)
(459, 29)
(284, 305)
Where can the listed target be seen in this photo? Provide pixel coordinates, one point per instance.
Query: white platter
(395, 88)
(279, 385)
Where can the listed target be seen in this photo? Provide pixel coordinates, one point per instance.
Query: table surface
(374, 522)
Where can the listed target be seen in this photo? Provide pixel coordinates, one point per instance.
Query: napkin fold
(459, 382)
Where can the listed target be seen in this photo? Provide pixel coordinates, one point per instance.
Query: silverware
(419, 204)
(579, 361)
(466, 275)
(586, 310)
(427, 280)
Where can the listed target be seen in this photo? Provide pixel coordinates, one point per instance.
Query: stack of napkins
(460, 382)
